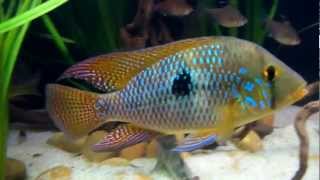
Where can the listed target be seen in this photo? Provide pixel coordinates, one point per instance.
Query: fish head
(285, 85)
(267, 84)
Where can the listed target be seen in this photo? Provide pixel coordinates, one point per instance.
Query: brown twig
(300, 126)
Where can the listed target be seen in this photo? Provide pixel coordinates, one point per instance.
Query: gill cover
(72, 110)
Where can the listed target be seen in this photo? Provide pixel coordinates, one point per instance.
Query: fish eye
(270, 73)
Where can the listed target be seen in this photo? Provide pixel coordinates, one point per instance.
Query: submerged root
(300, 126)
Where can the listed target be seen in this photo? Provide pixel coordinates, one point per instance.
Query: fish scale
(147, 100)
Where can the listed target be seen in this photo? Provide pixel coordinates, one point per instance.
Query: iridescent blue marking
(262, 105)
(214, 59)
(194, 60)
(208, 60)
(219, 60)
(226, 94)
(214, 76)
(269, 85)
(249, 100)
(231, 77)
(238, 79)
(243, 70)
(248, 86)
(203, 53)
(226, 77)
(234, 92)
(201, 60)
(216, 52)
(209, 52)
(259, 81)
(220, 77)
(265, 94)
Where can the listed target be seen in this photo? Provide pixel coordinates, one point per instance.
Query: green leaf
(30, 15)
(57, 39)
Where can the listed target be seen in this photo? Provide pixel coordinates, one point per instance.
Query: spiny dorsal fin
(113, 71)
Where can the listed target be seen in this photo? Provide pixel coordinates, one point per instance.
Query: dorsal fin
(112, 72)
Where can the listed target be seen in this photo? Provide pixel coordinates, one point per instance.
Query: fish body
(228, 16)
(201, 85)
(283, 32)
(174, 7)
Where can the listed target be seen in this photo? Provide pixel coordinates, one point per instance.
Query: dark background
(41, 53)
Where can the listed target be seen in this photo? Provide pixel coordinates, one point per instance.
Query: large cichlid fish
(205, 87)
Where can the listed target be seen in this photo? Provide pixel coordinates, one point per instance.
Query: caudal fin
(72, 110)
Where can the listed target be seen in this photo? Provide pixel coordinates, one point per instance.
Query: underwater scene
(159, 90)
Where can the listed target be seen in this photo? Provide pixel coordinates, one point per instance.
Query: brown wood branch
(142, 18)
(300, 126)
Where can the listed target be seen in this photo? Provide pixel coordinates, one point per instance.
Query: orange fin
(72, 110)
(113, 71)
(121, 137)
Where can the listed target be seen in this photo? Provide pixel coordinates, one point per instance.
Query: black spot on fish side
(182, 85)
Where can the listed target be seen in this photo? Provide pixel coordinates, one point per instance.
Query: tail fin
(72, 110)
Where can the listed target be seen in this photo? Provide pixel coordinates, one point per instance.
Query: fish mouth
(297, 94)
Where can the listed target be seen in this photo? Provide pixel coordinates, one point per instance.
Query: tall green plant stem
(57, 39)
(15, 29)
(271, 15)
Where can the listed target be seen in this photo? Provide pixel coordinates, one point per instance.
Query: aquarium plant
(15, 18)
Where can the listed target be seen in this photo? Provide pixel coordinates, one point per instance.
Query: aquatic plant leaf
(58, 40)
(30, 15)
(10, 47)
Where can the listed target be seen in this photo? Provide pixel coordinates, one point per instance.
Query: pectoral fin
(123, 136)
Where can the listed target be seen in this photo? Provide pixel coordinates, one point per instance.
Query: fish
(227, 16)
(205, 87)
(283, 32)
(173, 8)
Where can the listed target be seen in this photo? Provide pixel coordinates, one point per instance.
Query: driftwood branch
(300, 126)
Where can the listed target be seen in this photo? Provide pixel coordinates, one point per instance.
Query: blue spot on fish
(243, 70)
(249, 100)
(213, 59)
(219, 60)
(210, 52)
(201, 60)
(265, 94)
(259, 81)
(208, 60)
(194, 60)
(248, 86)
(262, 105)
(234, 92)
